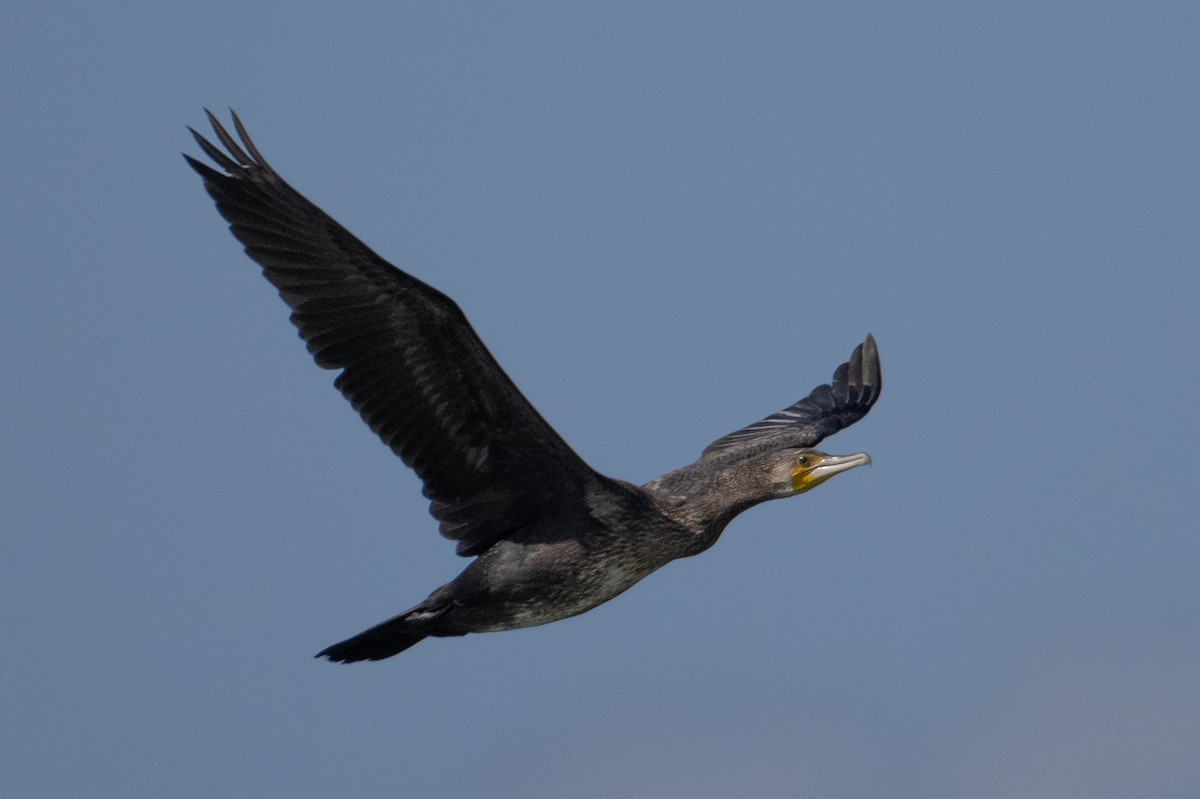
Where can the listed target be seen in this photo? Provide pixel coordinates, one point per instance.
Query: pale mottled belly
(562, 605)
(527, 589)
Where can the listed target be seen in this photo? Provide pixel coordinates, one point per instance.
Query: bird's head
(810, 467)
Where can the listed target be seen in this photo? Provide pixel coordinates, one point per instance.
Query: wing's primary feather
(411, 364)
(827, 409)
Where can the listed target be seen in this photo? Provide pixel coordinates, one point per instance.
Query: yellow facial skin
(814, 467)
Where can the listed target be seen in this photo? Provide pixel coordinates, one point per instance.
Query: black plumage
(551, 537)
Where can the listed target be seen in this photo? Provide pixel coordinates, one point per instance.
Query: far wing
(829, 408)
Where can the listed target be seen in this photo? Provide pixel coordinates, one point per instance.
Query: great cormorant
(550, 537)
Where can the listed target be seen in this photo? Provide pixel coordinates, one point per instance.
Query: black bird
(550, 537)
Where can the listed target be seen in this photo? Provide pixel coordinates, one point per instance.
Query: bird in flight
(549, 536)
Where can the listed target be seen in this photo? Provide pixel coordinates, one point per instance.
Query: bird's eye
(802, 460)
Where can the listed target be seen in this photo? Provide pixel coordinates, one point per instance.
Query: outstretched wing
(828, 409)
(411, 364)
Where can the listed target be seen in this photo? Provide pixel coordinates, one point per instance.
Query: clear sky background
(666, 220)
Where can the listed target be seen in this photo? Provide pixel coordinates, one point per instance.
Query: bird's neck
(705, 496)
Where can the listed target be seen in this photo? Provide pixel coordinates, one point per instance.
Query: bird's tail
(381, 641)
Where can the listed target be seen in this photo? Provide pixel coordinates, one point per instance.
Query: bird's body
(571, 569)
(551, 537)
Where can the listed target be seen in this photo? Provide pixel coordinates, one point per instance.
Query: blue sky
(667, 221)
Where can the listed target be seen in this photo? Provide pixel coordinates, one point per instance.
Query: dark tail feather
(381, 641)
